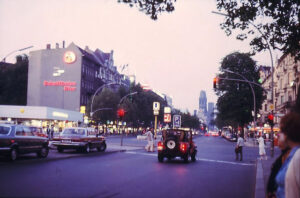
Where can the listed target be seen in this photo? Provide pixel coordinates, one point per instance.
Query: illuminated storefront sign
(59, 114)
(67, 85)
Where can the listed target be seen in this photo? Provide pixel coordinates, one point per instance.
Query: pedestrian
(239, 148)
(288, 177)
(285, 150)
(48, 132)
(52, 132)
(150, 146)
(261, 147)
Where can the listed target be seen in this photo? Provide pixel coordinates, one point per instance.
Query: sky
(179, 54)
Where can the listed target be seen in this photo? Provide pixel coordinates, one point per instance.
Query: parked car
(81, 139)
(177, 143)
(18, 139)
(38, 131)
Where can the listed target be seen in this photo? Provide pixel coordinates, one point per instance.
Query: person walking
(261, 147)
(288, 177)
(150, 145)
(239, 148)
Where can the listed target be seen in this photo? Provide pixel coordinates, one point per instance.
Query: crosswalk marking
(198, 159)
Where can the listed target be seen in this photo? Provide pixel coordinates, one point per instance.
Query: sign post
(156, 107)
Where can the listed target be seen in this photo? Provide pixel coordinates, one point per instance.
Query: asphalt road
(133, 174)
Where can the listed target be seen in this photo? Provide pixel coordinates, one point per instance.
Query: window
(282, 99)
(4, 130)
(266, 107)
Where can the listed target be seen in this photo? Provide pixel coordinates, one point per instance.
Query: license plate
(66, 141)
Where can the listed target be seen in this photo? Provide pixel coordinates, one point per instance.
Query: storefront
(40, 116)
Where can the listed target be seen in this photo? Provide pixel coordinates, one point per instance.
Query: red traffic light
(121, 113)
(271, 117)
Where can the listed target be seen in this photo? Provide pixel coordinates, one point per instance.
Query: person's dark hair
(290, 126)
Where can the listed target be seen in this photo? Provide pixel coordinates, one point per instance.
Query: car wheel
(87, 148)
(13, 154)
(43, 153)
(171, 144)
(60, 149)
(101, 148)
(160, 158)
(186, 159)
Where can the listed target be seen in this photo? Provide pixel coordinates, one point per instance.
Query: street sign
(156, 106)
(155, 112)
(272, 107)
(167, 117)
(167, 110)
(177, 121)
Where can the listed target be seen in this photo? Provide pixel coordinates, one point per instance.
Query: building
(286, 84)
(210, 113)
(67, 78)
(203, 102)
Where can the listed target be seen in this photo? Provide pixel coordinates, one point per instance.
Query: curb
(259, 184)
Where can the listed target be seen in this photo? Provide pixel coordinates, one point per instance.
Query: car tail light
(183, 147)
(12, 141)
(160, 146)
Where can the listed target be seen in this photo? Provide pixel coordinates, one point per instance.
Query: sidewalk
(118, 147)
(263, 169)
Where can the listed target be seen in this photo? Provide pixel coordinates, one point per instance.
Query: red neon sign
(67, 85)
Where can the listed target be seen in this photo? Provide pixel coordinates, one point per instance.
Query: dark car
(18, 139)
(81, 139)
(38, 131)
(177, 143)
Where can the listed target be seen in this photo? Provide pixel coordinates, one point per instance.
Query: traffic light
(271, 119)
(121, 113)
(215, 82)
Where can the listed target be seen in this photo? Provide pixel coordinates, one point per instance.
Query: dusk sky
(179, 54)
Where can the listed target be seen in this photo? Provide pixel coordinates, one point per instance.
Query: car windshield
(73, 132)
(4, 130)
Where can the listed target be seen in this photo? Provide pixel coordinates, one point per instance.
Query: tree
(13, 82)
(235, 102)
(281, 27)
(151, 7)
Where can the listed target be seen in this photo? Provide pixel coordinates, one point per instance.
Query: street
(134, 173)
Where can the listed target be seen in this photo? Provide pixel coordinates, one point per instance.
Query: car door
(20, 138)
(33, 142)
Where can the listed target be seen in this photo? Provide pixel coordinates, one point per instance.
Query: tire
(186, 159)
(13, 154)
(102, 147)
(160, 158)
(171, 144)
(60, 150)
(43, 153)
(87, 148)
(193, 157)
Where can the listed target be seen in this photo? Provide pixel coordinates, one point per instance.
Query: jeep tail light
(160, 146)
(183, 147)
(12, 141)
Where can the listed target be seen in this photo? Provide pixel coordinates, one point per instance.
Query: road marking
(198, 159)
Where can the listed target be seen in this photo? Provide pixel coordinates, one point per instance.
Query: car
(214, 133)
(177, 143)
(206, 134)
(38, 131)
(18, 139)
(79, 138)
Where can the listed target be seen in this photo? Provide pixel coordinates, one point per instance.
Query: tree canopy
(277, 20)
(151, 7)
(235, 102)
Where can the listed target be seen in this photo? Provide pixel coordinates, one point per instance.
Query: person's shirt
(281, 176)
(240, 141)
(292, 178)
(261, 141)
(149, 136)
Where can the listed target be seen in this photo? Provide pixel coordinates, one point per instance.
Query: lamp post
(272, 80)
(253, 93)
(121, 113)
(18, 50)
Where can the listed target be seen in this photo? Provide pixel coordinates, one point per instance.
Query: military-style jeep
(177, 143)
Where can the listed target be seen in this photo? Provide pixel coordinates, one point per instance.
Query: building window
(266, 107)
(282, 99)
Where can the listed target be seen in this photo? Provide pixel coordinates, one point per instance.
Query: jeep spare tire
(171, 144)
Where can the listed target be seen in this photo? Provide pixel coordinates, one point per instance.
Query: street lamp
(130, 94)
(272, 83)
(18, 50)
(99, 89)
(253, 93)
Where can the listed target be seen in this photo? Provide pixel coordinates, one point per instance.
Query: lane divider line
(198, 159)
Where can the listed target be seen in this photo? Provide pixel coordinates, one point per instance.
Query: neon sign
(67, 85)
